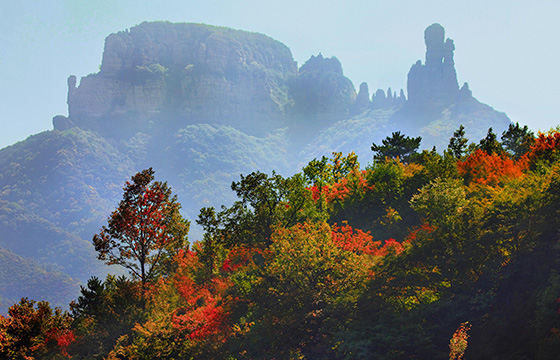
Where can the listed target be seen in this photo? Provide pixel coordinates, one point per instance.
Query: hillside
(437, 256)
(202, 105)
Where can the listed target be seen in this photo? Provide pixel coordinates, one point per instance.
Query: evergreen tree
(396, 145)
(458, 143)
(490, 144)
(517, 140)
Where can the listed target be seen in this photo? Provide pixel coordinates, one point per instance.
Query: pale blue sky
(507, 50)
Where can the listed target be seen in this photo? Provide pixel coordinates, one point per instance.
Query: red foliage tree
(144, 230)
(33, 331)
(546, 146)
(205, 307)
(361, 242)
(490, 169)
(356, 240)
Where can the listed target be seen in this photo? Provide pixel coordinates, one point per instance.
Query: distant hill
(201, 105)
(24, 277)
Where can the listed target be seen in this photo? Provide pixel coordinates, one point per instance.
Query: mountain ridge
(202, 105)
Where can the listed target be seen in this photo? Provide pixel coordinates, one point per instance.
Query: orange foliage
(338, 191)
(546, 145)
(425, 227)
(482, 168)
(205, 312)
(357, 241)
(353, 183)
(391, 246)
(361, 242)
(239, 257)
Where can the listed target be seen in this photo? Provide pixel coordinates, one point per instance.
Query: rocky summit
(184, 73)
(434, 84)
(201, 105)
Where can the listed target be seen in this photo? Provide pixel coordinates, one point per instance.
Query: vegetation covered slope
(201, 105)
(441, 256)
(34, 281)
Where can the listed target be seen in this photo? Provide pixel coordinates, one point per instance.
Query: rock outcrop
(435, 108)
(389, 101)
(362, 100)
(436, 105)
(434, 84)
(321, 90)
(185, 73)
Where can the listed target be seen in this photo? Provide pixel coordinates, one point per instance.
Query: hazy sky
(506, 50)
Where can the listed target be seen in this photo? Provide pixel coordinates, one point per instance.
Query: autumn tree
(306, 285)
(319, 175)
(396, 145)
(146, 229)
(546, 147)
(33, 330)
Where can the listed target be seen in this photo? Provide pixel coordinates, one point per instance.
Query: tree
(145, 230)
(264, 201)
(305, 287)
(458, 143)
(104, 312)
(33, 331)
(396, 145)
(518, 140)
(490, 144)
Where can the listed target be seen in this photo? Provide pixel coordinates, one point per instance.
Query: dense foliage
(448, 255)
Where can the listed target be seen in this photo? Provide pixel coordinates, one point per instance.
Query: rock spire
(435, 82)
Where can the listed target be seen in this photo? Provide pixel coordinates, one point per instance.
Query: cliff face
(185, 73)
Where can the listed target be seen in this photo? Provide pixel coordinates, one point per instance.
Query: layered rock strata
(189, 73)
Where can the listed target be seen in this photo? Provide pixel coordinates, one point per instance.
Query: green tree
(439, 200)
(145, 230)
(490, 144)
(306, 288)
(458, 143)
(397, 145)
(264, 201)
(517, 140)
(104, 312)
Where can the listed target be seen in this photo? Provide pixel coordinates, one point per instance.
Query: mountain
(435, 108)
(201, 105)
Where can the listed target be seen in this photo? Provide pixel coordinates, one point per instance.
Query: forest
(417, 255)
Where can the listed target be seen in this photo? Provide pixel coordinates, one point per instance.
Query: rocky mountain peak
(321, 64)
(321, 91)
(434, 84)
